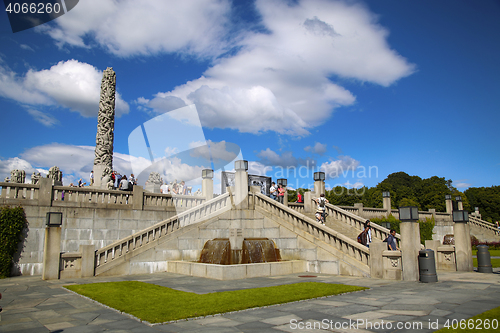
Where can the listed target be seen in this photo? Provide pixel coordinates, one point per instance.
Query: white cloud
(257, 168)
(341, 167)
(318, 148)
(281, 80)
(219, 151)
(286, 159)
(70, 84)
(130, 27)
(463, 185)
(43, 118)
(6, 166)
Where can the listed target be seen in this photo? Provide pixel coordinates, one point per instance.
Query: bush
(12, 222)
(491, 245)
(426, 226)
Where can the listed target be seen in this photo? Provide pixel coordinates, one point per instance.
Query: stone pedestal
(241, 189)
(207, 188)
(460, 205)
(308, 205)
(410, 246)
(449, 206)
(285, 198)
(359, 207)
(45, 192)
(376, 260)
(137, 197)
(153, 188)
(386, 202)
(98, 170)
(319, 187)
(88, 259)
(51, 253)
(463, 248)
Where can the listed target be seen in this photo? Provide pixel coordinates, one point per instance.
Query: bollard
(483, 259)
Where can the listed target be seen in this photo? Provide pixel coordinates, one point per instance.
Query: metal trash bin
(483, 259)
(427, 266)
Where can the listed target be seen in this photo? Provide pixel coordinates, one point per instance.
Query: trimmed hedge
(426, 226)
(12, 222)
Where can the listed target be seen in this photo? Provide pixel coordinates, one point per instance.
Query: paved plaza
(33, 305)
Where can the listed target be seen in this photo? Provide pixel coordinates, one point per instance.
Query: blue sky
(358, 89)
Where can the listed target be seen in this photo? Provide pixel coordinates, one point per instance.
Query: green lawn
(493, 253)
(157, 304)
(488, 321)
(494, 262)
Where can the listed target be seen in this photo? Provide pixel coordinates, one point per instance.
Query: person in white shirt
(273, 191)
(321, 209)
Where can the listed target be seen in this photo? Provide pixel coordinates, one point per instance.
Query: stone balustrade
(483, 224)
(342, 243)
(18, 192)
(357, 222)
(159, 201)
(118, 249)
(92, 197)
(298, 207)
(392, 265)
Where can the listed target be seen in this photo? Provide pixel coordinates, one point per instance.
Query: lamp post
(319, 183)
(449, 203)
(410, 242)
(52, 246)
(463, 247)
(386, 202)
(241, 184)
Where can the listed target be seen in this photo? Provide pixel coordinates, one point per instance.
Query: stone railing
(89, 196)
(118, 249)
(18, 192)
(298, 207)
(483, 224)
(392, 265)
(357, 222)
(342, 243)
(159, 201)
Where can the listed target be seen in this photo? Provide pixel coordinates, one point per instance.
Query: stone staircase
(339, 226)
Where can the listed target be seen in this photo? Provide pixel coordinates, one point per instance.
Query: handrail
(358, 222)
(329, 236)
(480, 223)
(191, 216)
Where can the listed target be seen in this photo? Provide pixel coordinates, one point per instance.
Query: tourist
(368, 233)
(81, 183)
(164, 188)
(273, 191)
(113, 177)
(300, 198)
(321, 202)
(182, 188)
(319, 217)
(132, 179)
(363, 237)
(281, 194)
(124, 184)
(391, 241)
(118, 178)
(91, 177)
(498, 225)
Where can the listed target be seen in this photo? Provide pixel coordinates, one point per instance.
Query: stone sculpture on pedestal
(153, 183)
(56, 176)
(35, 178)
(16, 176)
(105, 127)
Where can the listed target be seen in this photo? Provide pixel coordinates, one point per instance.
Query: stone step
(339, 226)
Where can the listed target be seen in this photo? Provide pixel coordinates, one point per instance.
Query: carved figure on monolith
(105, 127)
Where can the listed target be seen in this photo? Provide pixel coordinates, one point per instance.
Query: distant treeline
(409, 190)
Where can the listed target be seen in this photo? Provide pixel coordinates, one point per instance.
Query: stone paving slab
(33, 305)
